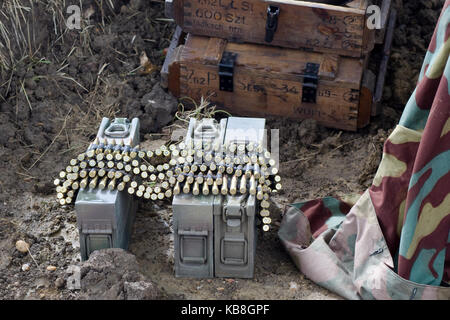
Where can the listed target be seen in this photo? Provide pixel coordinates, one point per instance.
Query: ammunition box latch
(226, 71)
(272, 22)
(310, 81)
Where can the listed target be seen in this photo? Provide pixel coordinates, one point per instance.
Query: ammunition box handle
(117, 130)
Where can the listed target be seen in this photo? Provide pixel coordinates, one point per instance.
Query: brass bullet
(112, 184)
(203, 167)
(58, 189)
(70, 193)
(278, 186)
(215, 189)
(175, 153)
(266, 228)
(135, 163)
(256, 171)
(62, 202)
(92, 173)
(190, 178)
(102, 184)
(267, 220)
(101, 172)
(230, 169)
(208, 157)
(254, 158)
(272, 162)
(147, 195)
(60, 195)
(141, 154)
(219, 178)
(265, 204)
(250, 146)
(159, 168)
(154, 196)
(128, 168)
(277, 178)
(150, 168)
(205, 189)
(121, 186)
(212, 166)
(130, 190)
(264, 213)
(176, 189)
(238, 171)
(252, 189)
(166, 153)
(83, 165)
(68, 200)
(237, 160)
(141, 188)
(118, 156)
(73, 162)
(209, 178)
(134, 184)
(83, 174)
(195, 189)
(109, 157)
(158, 152)
(221, 168)
(56, 182)
(110, 164)
(199, 178)
(166, 166)
(90, 153)
(172, 180)
(153, 177)
(224, 189)
(180, 178)
(81, 157)
(248, 170)
(92, 163)
(228, 159)
(149, 154)
(68, 169)
(144, 174)
(100, 156)
(218, 158)
(186, 169)
(93, 183)
(194, 168)
(186, 187)
(126, 178)
(168, 193)
(259, 193)
(67, 183)
(120, 165)
(165, 185)
(136, 170)
(274, 170)
(100, 164)
(149, 189)
(84, 183)
(233, 185)
(111, 174)
(75, 185)
(243, 185)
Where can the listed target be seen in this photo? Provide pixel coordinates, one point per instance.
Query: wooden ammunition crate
(337, 29)
(259, 80)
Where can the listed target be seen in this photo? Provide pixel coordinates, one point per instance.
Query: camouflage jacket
(394, 241)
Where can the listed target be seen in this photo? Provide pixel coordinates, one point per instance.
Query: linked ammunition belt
(200, 168)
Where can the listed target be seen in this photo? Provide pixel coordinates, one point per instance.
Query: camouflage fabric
(394, 241)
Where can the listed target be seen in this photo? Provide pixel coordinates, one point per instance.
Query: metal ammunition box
(215, 234)
(104, 217)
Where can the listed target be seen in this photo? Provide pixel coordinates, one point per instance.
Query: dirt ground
(51, 104)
